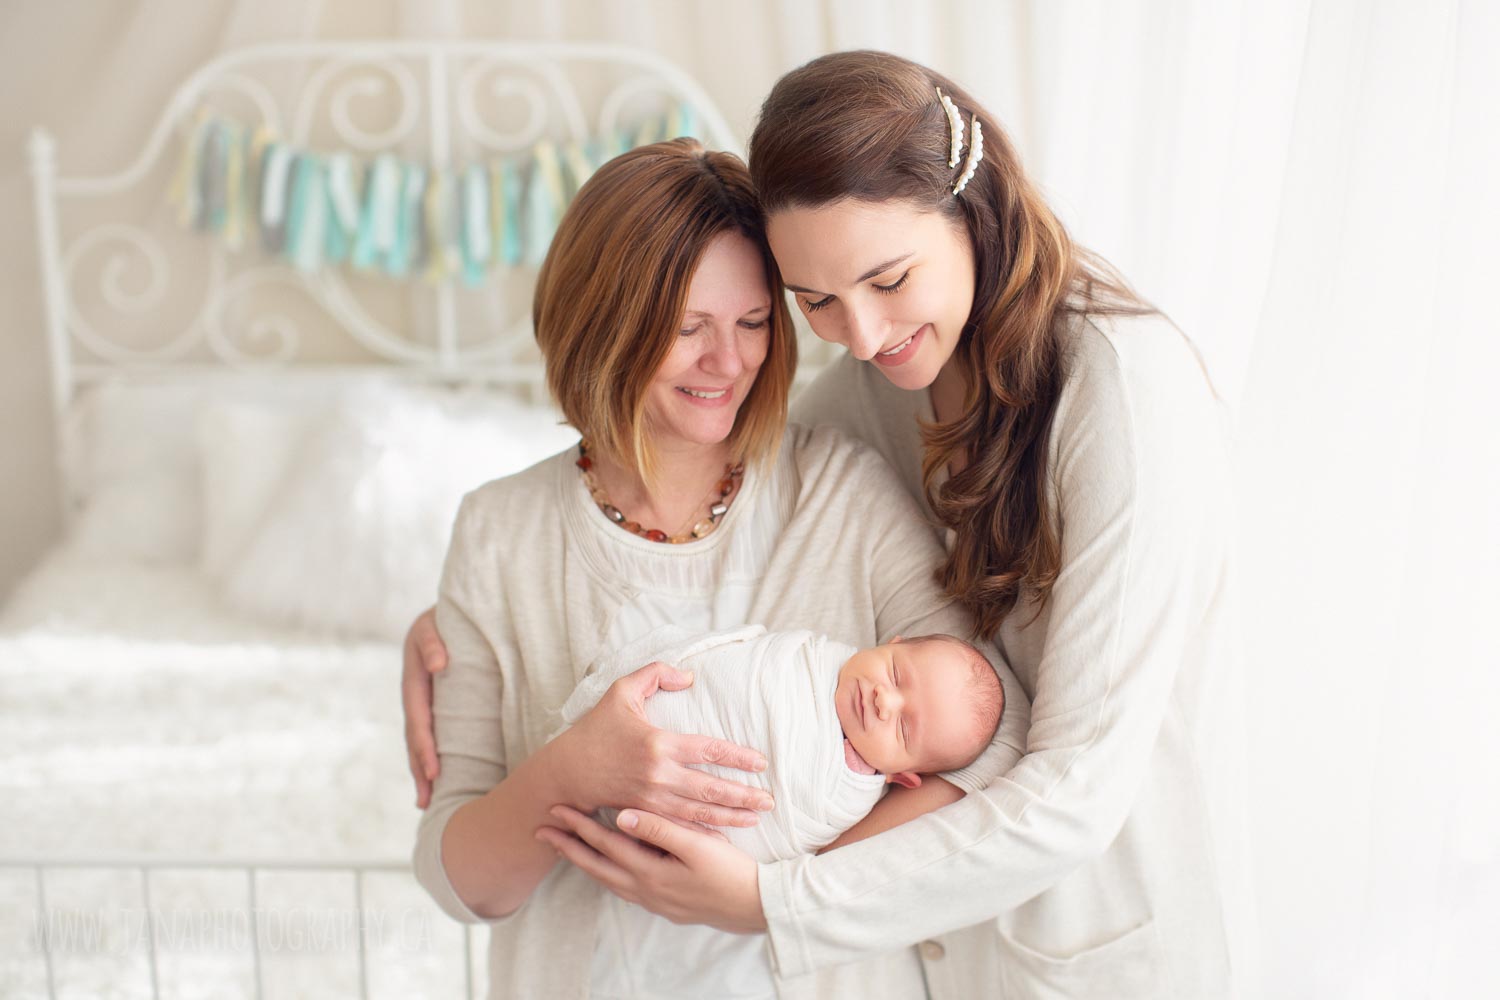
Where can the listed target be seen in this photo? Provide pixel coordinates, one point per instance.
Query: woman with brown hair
(1065, 439)
(668, 344)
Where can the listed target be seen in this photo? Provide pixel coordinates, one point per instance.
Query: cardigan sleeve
(466, 701)
(1138, 474)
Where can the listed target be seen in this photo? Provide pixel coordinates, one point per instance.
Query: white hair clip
(976, 153)
(955, 129)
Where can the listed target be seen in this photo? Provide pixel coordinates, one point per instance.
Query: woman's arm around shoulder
(1139, 486)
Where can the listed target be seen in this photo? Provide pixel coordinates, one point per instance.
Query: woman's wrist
(558, 772)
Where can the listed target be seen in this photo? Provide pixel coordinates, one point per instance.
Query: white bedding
(141, 718)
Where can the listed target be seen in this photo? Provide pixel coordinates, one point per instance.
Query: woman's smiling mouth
(903, 351)
(707, 397)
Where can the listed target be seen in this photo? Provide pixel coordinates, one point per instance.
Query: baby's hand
(856, 763)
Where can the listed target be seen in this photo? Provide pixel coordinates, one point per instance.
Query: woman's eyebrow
(747, 312)
(877, 269)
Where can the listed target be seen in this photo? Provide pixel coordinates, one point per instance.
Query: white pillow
(150, 518)
(245, 450)
(137, 472)
(135, 485)
(354, 540)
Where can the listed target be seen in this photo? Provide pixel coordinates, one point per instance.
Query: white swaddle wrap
(772, 691)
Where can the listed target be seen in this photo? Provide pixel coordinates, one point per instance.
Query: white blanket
(769, 690)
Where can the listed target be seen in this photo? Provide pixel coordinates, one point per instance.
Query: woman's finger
(424, 787)
(431, 649)
(416, 705)
(708, 750)
(695, 811)
(655, 676)
(649, 828)
(718, 791)
(621, 851)
(593, 864)
(712, 831)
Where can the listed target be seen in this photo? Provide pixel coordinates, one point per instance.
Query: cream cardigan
(535, 575)
(1112, 854)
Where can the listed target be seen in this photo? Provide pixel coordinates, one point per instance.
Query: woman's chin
(911, 376)
(702, 434)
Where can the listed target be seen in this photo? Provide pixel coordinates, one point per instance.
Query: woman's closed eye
(813, 305)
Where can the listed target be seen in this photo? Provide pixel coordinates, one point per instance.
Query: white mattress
(141, 718)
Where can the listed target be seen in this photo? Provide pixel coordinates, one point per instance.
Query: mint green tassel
(510, 243)
(309, 216)
(377, 224)
(545, 199)
(213, 178)
(343, 209)
(476, 225)
(399, 257)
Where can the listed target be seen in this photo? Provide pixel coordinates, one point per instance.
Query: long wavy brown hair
(869, 126)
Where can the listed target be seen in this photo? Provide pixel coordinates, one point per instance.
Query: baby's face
(902, 705)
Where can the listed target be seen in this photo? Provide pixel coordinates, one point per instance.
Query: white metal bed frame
(39, 866)
(466, 80)
(442, 78)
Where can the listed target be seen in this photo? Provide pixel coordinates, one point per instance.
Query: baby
(836, 723)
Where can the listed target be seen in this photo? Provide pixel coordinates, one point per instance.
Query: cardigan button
(931, 950)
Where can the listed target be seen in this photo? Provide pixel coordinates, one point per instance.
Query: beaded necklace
(719, 495)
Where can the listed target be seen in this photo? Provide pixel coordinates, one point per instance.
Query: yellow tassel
(183, 191)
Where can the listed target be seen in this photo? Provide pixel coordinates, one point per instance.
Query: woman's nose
(723, 358)
(861, 333)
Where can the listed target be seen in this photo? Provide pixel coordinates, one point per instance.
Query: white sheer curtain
(1307, 186)
(1309, 189)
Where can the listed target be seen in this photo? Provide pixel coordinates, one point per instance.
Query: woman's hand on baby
(422, 655)
(615, 756)
(681, 874)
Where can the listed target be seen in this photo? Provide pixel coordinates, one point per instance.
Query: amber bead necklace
(717, 500)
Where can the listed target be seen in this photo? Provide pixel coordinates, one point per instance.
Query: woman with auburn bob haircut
(668, 344)
(1065, 438)
(614, 288)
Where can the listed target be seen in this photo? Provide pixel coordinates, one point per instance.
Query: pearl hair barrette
(956, 142)
(955, 129)
(976, 153)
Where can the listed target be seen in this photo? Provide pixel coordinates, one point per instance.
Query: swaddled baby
(836, 723)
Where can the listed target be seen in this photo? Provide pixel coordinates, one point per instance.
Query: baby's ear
(906, 779)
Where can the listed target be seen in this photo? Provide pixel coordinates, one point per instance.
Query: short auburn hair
(613, 290)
